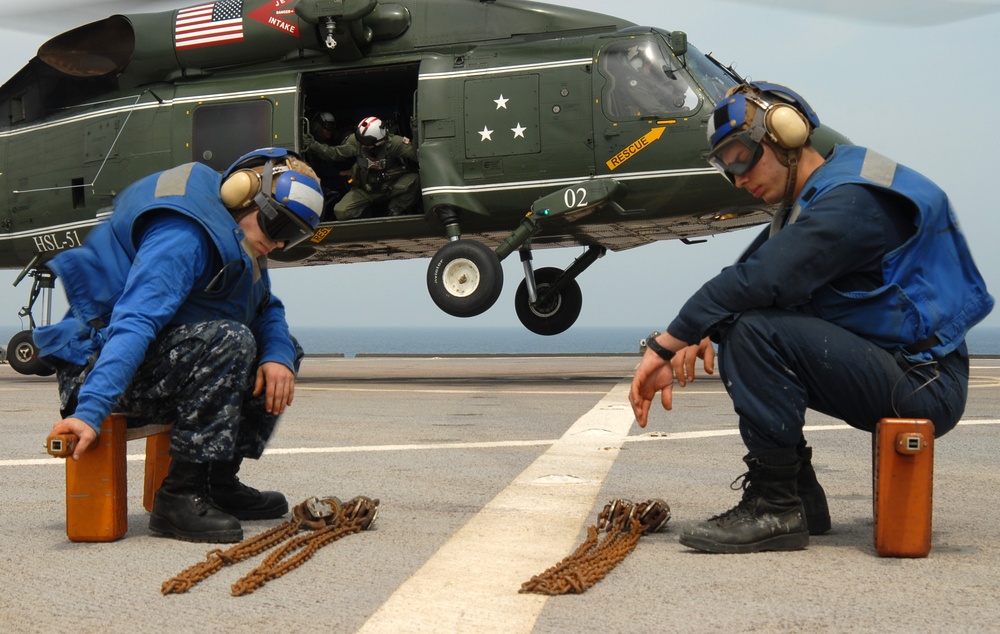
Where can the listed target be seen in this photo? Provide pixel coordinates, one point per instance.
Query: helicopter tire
(464, 278)
(555, 316)
(22, 355)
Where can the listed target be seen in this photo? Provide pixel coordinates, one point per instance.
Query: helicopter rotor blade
(890, 12)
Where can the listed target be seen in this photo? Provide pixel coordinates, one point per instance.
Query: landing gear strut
(465, 277)
(22, 354)
(549, 300)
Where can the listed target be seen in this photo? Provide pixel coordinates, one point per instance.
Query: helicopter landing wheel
(22, 354)
(557, 314)
(464, 278)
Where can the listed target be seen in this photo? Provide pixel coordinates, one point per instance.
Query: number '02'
(575, 198)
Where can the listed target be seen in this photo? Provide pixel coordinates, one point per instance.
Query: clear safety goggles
(736, 155)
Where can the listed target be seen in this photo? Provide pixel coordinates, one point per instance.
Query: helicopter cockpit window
(712, 77)
(643, 82)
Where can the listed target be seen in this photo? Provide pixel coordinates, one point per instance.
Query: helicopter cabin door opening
(334, 103)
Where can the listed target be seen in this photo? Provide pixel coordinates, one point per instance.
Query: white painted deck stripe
(471, 584)
(497, 444)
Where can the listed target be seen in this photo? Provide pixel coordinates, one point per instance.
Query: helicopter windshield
(712, 76)
(643, 81)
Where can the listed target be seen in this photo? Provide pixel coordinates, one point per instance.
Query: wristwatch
(662, 352)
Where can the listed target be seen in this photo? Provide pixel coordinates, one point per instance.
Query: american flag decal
(209, 24)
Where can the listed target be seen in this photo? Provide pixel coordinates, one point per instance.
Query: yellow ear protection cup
(786, 126)
(239, 189)
(755, 113)
(789, 119)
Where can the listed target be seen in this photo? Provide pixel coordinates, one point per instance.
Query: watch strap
(660, 351)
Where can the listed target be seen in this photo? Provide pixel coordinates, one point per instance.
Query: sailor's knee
(231, 338)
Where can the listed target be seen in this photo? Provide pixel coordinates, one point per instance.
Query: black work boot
(183, 509)
(241, 501)
(769, 517)
(812, 495)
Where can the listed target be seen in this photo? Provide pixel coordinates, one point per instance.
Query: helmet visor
(736, 155)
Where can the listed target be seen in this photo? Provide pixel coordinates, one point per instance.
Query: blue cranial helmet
(284, 189)
(755, 113)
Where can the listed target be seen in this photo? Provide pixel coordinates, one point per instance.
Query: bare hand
(684, 360)
(280, 384)
(655, 375)
(84, 433)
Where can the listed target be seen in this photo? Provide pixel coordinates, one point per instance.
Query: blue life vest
(94, 274)
(932, 292)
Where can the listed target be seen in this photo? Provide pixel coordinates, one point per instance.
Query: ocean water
(514, 340)
(351, 342)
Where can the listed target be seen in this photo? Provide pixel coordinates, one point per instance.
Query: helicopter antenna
(107, 154)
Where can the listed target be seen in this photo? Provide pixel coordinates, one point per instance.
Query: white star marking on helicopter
(486, 134)
(518, 131)
(501, 102)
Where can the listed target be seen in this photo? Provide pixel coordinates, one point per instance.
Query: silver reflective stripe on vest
(878, 169)
(173, 182)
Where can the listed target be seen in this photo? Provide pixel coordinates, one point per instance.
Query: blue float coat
(846, 254)
(170, 254)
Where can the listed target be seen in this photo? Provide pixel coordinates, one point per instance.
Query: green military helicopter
(536, 126)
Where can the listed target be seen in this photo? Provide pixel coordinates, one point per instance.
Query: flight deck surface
(488, 471)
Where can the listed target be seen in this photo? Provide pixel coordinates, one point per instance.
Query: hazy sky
(927, 96)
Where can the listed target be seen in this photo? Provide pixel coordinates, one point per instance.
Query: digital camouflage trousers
(199, 378)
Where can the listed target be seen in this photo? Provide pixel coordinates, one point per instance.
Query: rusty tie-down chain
(328, 518)
(357, 515)
(625, 522)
